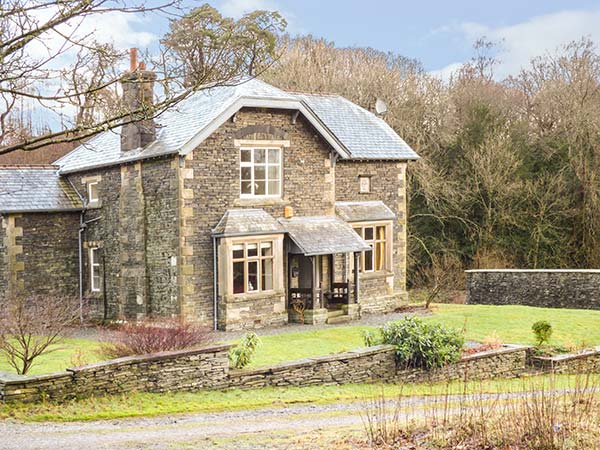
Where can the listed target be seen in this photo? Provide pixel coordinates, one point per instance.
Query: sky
(440, 34)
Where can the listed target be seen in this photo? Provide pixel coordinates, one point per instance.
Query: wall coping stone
(569, 356)
(150, 357)
(506, 348)
(533, 270)
(9, 378)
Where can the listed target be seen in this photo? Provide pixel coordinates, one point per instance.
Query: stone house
(243, 206)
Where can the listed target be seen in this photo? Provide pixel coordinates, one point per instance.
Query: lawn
(512, 324)
(147, 405)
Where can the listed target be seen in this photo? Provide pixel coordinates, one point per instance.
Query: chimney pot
(133, 62)
(288, 212)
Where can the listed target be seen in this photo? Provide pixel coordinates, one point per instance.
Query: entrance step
(335, 313)
(341, 318)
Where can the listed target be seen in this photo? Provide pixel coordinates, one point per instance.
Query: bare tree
(31, 327)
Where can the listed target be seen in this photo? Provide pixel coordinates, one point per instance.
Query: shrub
(542, 331)
(241, 355)
(370, 338)
(151, 337)
(422, 345)
(32, 326)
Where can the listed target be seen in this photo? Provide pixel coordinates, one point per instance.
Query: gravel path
(290, 427)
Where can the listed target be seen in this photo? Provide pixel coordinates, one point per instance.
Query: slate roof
(363, 211)
(36, 189)
(244, 222)
(323, 235)
(365, 135)
(352, 130)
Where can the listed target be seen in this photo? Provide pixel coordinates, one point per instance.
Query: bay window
(260, 172)
(375, 259)
(252, 266)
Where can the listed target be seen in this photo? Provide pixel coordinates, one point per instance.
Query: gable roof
(36, 189)
(351, 130)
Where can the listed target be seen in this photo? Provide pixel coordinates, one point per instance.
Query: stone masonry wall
(388, 184)
(544, 288)
(210, 184)
(587, 361)
(135, 227)
(208, 368)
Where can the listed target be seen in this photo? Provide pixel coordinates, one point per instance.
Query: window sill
(261, 201)
(376, 275)
(248, 296)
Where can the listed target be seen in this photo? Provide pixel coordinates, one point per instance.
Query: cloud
(522, 41)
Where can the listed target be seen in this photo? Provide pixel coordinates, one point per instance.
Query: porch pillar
(315, 283)
(356, 276)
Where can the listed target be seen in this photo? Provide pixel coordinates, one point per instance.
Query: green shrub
(241, 355)
(370, 338)
(542, 330)
(423, 345)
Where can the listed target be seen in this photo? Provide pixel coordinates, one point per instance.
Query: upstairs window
(92, 193)
(260, 172)
(252, 267)
(373, 260)
(95, 278)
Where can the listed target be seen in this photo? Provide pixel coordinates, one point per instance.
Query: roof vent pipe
(139, 128)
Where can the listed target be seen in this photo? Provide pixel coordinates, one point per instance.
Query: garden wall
(587, 361)
(545, 288)
(208, 368)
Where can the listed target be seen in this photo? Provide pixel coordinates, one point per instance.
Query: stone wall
(544, 288)
(388, 184)
(135, 228)
(587, 361)
(208, 368)
(39, 254)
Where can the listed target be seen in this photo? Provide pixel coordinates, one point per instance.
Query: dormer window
(92, 193)
(260, 172)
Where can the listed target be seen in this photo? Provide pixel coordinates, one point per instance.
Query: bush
(151, 337)
(370, 338)
(542, 331)
(422, 345)
(241, 355)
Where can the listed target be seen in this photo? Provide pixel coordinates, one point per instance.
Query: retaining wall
(545, 288)
(587, 361)
(208, 368)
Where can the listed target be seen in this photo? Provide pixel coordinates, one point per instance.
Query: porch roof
(323, 235)
(245, 222)
(363, 211)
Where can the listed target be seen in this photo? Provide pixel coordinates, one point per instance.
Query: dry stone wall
(544, 288)
(208, 368)
(587, 361)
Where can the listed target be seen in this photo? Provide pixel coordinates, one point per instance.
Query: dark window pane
(246, 173)
(252, 276)
(260, 188)
(259, 156)
(238, 277)
(358, 231)
(369, 234)
(238, 251)
(266, 249)
(252, 250)
(368, 260)
(246, 187)
(260, 172)
(246, 156)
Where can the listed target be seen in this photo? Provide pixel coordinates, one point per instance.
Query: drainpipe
(215, 284)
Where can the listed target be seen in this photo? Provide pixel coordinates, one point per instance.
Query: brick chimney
(138, 94)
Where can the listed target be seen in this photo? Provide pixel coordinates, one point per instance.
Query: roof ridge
(29, 166)
(321, 94)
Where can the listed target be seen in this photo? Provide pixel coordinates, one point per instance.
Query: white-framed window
(252, 266)
(260, 172)
(364, 184)
(92, 192)
(373, 260)
(95, 278)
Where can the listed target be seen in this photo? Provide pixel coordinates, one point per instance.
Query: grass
(148, 405)
(69, 353)
(512, 324)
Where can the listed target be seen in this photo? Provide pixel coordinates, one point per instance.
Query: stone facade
(208, 368)
(151, 229)
(39, 254)
(578, 289)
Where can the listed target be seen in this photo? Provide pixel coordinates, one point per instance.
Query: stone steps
(343, 318)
